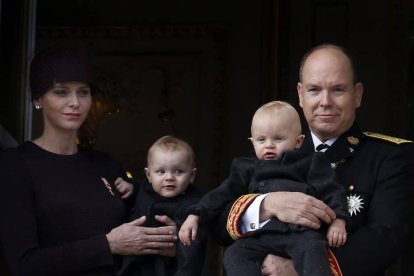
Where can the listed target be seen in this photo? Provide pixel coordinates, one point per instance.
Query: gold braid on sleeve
(236, 212)
(336, 270)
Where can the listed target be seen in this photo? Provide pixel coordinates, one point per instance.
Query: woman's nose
(74, 100)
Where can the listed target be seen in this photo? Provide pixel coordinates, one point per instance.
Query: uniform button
(261, 184)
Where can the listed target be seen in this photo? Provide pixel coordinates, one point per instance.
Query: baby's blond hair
(172, 143)
(277, 107)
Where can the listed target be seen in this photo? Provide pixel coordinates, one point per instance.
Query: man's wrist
(264, 210)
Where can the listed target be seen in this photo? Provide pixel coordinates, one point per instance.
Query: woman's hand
(133, 239)
(171, 226)
(296, 208)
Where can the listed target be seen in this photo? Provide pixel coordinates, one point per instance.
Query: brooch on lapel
(108, 186)
(353, 140)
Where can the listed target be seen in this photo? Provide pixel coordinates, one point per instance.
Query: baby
(276, 138)
(170, 171)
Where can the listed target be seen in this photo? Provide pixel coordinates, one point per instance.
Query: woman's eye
(60, 92)
(84, 92)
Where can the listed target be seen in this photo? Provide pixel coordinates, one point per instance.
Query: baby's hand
(124, 188)
(337, 233)
(188, 231)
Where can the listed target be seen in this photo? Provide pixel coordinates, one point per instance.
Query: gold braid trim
(236, 212)
(387, 138)
(336, 270)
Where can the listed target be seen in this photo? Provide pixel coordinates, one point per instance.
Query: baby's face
(170, 172)
(271, 137)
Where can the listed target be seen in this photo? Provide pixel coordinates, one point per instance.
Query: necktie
(322, 147)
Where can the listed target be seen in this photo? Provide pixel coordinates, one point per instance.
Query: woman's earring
(37, 106)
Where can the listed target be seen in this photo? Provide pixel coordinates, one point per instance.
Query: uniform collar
(342, 148)
(317, 142)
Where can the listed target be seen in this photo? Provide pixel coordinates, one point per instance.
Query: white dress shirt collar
(317, 142)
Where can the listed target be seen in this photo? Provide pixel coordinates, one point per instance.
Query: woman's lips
(73, 115)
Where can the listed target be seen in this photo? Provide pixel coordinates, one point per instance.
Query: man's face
(328, 96)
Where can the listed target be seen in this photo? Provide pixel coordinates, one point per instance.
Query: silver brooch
(354, 204)
(108, 186)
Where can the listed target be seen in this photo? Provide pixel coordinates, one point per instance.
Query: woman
(60, 211)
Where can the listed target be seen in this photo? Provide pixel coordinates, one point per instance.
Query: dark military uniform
(378, 173)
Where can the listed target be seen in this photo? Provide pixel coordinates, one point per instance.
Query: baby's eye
(260, 140)
(160, 172)
(179, 171)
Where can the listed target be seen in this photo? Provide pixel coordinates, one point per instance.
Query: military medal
(353, 140)
(354, 204)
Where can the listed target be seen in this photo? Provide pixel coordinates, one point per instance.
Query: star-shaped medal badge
(354, 204)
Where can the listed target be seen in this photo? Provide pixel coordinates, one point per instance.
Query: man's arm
(289, 207)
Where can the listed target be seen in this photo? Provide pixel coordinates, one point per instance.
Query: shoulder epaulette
(387, 138)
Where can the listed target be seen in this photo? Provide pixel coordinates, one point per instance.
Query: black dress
(56, 209)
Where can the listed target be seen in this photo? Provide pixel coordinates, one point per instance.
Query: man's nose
(325, 98)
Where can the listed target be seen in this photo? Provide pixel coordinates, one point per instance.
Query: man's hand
(277, 266)
(296, 208)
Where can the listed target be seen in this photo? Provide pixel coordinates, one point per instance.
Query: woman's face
(66, 105)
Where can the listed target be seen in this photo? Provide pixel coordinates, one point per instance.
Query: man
(375, 169)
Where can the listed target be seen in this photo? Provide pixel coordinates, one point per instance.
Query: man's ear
(359, 90)
(299, 88)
